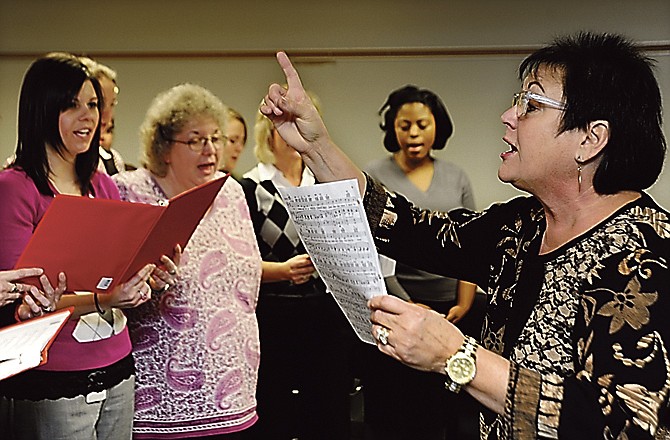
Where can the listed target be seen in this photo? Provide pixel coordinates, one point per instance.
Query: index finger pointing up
(292, 77)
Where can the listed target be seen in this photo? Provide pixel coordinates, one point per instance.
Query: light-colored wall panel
(476, 89)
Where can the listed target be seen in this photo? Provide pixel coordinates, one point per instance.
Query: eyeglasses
(525, 101)
(197, 144)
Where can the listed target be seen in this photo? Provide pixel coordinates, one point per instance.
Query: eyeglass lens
(520, 104)
(198, 144)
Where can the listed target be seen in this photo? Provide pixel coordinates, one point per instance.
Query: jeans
(93, 417)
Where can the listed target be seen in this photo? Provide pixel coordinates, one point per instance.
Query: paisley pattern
(212, 263)
(143, 337)
(196, 346)
(229, 384)
(221, 202)
(252, 353)
(591, 360)
(177, 316)
(183, 379)
(219, 327)
(146, 398)
(241, 246)
(244, 296)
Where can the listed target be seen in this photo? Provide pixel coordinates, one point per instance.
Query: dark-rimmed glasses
(522, 101)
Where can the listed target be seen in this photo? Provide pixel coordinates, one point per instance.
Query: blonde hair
(98, 70)
(167, 115)
(263, 133)
(234, 114)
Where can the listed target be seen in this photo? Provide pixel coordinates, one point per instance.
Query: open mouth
(207, 166)
(512, 149)
(84, 132)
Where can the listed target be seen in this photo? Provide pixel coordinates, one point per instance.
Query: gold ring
(15, 288)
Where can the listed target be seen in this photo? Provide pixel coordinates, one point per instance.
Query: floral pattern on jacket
(590, 359)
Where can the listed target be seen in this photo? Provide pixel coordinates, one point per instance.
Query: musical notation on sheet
(331, 222)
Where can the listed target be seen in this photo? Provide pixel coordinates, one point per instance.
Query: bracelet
(97, 304)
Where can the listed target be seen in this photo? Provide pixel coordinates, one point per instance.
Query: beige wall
(476, 89)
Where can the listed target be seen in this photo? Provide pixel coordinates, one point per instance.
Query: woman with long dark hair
(86, 389)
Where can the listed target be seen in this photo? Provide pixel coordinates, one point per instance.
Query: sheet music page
(331, 222)
(21, 345)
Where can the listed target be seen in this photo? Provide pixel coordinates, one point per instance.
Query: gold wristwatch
(461, 367)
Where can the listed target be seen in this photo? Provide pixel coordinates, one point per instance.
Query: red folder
(25, 345)
(100, 243)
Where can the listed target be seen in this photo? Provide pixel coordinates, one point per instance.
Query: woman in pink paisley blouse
(196, 344)
(576, 335)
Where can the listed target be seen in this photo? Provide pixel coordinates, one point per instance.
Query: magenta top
(22, 208)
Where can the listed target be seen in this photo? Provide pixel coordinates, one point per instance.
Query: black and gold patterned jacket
(586, 326)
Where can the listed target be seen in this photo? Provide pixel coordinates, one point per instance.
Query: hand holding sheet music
(332, 225)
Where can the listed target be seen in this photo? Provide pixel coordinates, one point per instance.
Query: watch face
(461, 369)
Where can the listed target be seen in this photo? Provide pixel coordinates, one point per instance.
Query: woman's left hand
(299, 269)
(456, 313)
(415, 335)
(166, 275)
(36, 302)
(292, 112)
